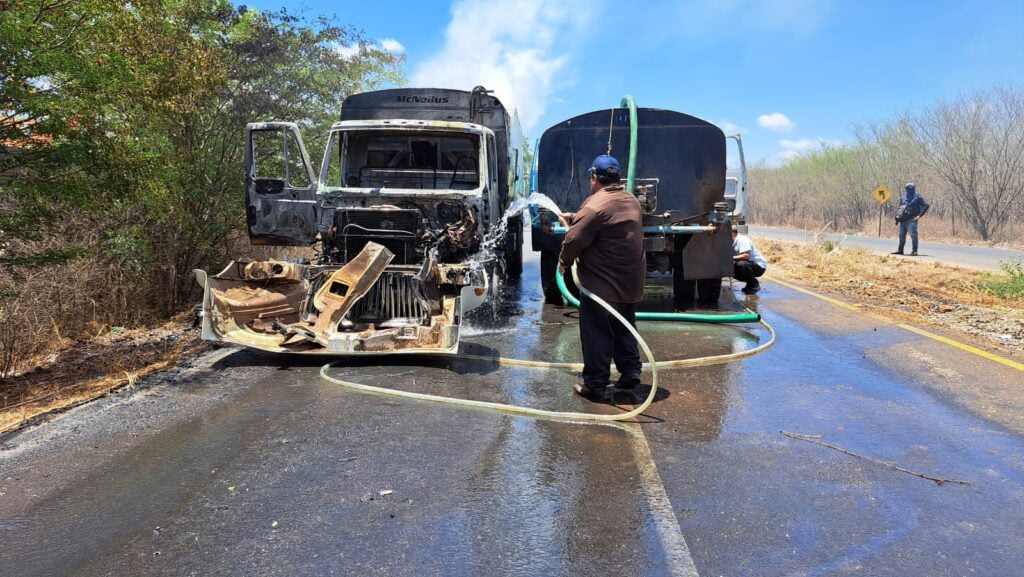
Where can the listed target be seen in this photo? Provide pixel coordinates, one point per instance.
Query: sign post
(882, 195)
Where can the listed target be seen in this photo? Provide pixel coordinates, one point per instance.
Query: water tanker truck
(403, 218)
(676, 166)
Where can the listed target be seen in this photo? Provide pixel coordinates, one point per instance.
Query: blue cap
(605, 165)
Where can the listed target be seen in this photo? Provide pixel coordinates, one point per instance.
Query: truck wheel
(514, 248)
(548, 284)
(709, 290)
(682, 289)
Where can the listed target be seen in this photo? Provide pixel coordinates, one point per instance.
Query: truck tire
(514, 248)
(709, 290)
(549, 286)
(548, 269)
(682, 290)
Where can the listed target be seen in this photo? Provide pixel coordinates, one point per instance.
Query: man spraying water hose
(606, 236)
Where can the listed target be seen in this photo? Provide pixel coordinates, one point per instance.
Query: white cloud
(509, 46)
(730, 128)
(776, 121)
(793, 148)
(348, 52)
(386, 45)
(392, 45)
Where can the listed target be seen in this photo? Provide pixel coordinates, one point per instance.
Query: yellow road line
(964, 347)
(849, 306)
(913, 329)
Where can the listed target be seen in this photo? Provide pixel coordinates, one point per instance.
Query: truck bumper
(287, 308)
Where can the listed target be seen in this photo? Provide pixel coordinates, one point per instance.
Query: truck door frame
(493, 197)
(279, 210)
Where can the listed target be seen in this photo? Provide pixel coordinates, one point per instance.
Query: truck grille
(394, 228)
(391, 301)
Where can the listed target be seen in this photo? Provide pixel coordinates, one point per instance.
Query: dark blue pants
(604, 340)
(911, 227)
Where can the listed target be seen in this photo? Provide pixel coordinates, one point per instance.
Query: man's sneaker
(752, 287)
(913, 253)
(896, 252)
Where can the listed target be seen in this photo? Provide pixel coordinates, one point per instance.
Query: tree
(121, 143)
(975, 145)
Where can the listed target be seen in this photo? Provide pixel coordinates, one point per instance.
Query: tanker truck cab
(396, 223)
(736, 192)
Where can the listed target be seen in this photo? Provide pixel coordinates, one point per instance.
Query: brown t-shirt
(607, 237)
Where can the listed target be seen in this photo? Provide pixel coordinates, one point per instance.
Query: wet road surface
(250, 464)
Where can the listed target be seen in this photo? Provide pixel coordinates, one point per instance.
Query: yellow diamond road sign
(882, 194)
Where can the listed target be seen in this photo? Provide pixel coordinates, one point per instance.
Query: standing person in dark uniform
(607, 237)
(912, 207)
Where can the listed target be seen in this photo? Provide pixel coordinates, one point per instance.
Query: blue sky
(787, 74)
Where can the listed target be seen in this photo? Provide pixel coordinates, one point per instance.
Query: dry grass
(902, 287)
(87, 370)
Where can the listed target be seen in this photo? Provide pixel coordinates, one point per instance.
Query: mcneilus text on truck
(413, 186)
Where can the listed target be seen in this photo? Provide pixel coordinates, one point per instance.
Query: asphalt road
(248, 464)
(978, 257)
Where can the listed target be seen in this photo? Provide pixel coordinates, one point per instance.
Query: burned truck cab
(408, 185)
(412, 185)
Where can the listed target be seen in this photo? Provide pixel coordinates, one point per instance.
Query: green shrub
(1012, 285)
(828, 245)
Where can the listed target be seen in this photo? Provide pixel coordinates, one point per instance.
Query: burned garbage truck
(676, 166)
(414, 184)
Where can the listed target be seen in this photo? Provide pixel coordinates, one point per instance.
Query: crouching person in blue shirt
(748, 264)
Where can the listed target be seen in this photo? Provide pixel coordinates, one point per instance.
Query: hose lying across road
(652, 364)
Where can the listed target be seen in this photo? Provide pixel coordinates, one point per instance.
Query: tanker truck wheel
(709, 290)
(548, 269)
(682, 289)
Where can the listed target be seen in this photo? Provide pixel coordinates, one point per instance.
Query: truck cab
(736, 192)
(413, 187)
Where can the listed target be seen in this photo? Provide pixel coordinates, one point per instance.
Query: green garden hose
(628, 102)
(744, 317)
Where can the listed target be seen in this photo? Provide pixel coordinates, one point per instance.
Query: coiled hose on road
(652, 365)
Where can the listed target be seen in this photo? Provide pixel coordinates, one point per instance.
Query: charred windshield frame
(277, 156)
(405, 158)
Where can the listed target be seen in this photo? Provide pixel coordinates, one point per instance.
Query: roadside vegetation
(1010, 286)
(987, 306)
(966, 156)
(121, 150)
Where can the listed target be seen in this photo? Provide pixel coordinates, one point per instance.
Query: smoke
(515, 48)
